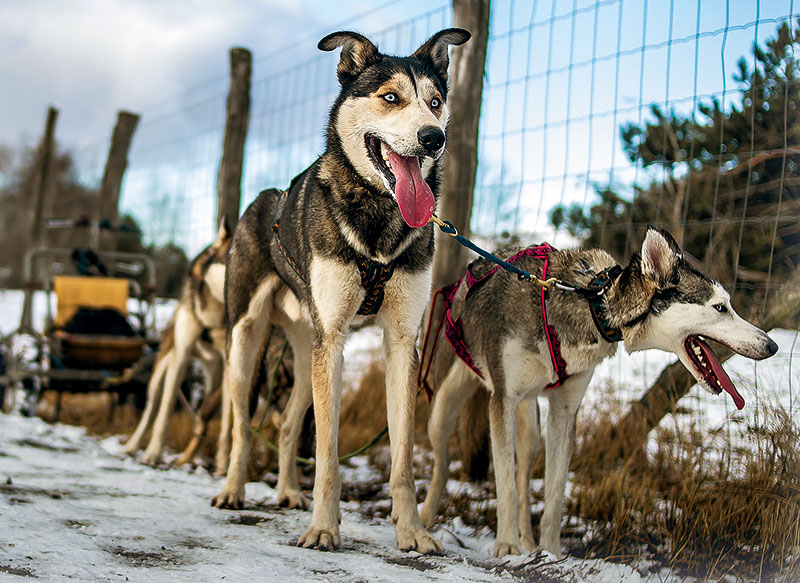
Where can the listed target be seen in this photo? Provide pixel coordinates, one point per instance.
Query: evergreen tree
(725, 183)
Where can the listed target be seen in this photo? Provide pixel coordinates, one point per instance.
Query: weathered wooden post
(464, 101)
(45, 155)
(116, 163)
(229, 180)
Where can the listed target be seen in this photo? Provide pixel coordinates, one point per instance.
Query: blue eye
(390, 97)
(720, 308)
(435, 103)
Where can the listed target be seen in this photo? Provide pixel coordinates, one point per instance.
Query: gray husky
(349, 238)
(521, 343)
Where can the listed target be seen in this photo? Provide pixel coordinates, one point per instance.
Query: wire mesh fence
(598, 117)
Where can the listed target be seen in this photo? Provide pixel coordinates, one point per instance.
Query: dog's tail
(473, 433)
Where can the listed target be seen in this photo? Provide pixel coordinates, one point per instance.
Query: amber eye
(435, 103)
(390, 97)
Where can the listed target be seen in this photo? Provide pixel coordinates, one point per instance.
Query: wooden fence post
(458, 185)
(45, 155)
(108, 207)
(464, 102)
(229, 180)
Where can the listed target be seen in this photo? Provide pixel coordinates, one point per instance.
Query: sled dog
(196, 328)
(350, 237)
(521, 343)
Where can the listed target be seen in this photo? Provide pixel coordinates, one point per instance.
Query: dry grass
(698, 505)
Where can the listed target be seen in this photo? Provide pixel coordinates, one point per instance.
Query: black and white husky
(657, 301)
(350, 237)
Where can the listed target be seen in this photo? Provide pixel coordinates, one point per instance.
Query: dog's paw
(182, 461)
(323, 539)
(294, 499)
(221, 466)
(151, 457)
(130, 449)
(229, 498)
(427, 516)
(551, 545)
(528, 544)
(502, 549)
(419, 540)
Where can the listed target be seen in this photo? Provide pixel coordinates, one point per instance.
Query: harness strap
(454, 330)
(553, 341)
(374, 274)
(422, 377)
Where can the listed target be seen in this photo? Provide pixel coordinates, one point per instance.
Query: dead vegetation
(704, 504)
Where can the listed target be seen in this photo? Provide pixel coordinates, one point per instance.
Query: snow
(73, 508)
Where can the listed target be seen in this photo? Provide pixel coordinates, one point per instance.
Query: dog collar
(594, 294)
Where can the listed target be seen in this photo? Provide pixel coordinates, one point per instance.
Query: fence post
(108, 206)
(229, 180)
(45, 155)
(464, 102)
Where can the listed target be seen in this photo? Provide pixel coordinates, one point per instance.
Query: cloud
(92, 57)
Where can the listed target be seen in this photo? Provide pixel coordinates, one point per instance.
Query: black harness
(374, 274)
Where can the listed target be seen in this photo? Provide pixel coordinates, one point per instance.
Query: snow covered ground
(72, 508)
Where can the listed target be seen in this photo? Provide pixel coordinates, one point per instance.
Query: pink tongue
(414, 196)
(723, 377)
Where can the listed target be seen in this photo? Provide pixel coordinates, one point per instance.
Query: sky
(561, 78)
(93, 57)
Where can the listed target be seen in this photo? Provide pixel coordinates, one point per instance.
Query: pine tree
(725, 181)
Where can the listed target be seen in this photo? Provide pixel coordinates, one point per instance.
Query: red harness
(454, 330)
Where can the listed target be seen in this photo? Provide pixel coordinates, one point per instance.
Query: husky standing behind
(197, 327)
(350, 236)
(657, 301)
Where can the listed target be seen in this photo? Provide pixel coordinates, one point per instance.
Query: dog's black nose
(771, 347)
(431, 138)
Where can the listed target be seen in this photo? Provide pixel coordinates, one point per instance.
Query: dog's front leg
(502, 411)
(154, 388)
(406, 297)
(326, 382)
(187, 332)
(333, 308)
(401, 396)
(559, 440)
(289, 493)
(528, 440)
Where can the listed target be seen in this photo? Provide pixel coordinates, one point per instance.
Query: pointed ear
(436, 48)
(660, 255)
(224, 231)
(358, 53)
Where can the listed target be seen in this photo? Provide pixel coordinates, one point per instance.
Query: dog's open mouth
(708, 369)
(403, 175)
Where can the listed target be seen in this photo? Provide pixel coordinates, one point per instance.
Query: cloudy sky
(561, 77)
(93, 57)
